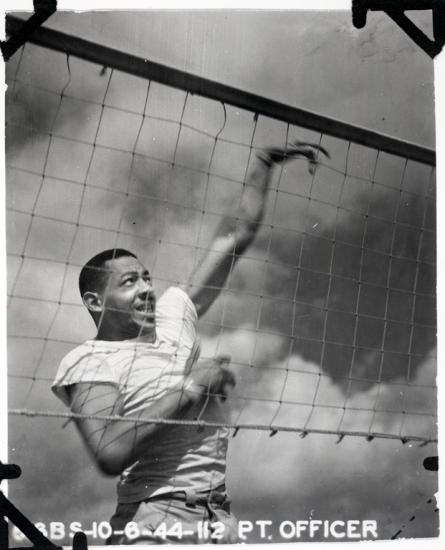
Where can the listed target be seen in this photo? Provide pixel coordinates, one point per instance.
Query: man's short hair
(94, 274)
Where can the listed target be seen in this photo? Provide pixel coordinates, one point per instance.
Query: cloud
(276, 389)
(285, 477)
(291, 277)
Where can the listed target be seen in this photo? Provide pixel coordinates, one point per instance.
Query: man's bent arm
(235, 233)
(116, 444)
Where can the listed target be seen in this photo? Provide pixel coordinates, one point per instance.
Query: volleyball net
(329, 317)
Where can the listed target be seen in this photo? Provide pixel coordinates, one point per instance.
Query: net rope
(329, 316)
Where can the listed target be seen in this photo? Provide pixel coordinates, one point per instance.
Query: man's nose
(145, 286)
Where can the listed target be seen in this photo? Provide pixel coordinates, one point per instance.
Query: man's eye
(128, 281)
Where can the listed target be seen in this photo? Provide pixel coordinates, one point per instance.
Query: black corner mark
(395, 9)
(9, 471)
(359, 13)
(43, 9)
(80, 541)
(431, 463)
(13, 514)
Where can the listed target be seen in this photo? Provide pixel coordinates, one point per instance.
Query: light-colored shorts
(178, 518)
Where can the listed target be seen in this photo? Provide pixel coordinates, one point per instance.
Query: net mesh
(329, 316)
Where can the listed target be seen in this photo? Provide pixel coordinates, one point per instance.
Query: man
(144, 364)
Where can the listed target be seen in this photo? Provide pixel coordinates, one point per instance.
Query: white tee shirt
(180, 456)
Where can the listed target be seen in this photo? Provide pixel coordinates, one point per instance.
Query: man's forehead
(118, 266)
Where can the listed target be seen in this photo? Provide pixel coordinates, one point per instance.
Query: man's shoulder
(94, 353)
(83, 364)
(81, 351)
(175, 293)
(176, 298)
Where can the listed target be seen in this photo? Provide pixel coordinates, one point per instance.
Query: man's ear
(93, 301)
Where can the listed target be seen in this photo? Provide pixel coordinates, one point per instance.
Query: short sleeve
(176, 317)
(81, 367)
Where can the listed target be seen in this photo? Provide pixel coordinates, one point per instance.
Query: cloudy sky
(375, 78)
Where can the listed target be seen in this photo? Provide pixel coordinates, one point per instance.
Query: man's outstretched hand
(210, 377)
(277, 155)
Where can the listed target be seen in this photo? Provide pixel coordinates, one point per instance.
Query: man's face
(128, 299)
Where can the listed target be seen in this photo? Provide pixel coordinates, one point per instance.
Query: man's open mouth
(145, 307)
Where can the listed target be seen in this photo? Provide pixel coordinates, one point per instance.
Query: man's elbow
(245, 236)
(110, 463)
(109, 468)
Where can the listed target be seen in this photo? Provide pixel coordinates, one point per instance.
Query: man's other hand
(277, 155)
(210, 377)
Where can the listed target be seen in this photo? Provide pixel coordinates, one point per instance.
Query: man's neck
(138, 335)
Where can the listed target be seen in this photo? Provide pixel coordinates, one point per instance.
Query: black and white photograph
(220, 283)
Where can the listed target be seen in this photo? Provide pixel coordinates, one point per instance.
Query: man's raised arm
(235, 233)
